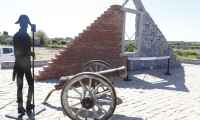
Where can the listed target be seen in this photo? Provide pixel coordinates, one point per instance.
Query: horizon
(178, 20)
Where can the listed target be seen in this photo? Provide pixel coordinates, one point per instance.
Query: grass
(186, 54)
(54, 46)
(43, 53)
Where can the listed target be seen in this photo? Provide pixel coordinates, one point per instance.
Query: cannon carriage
(90, 95)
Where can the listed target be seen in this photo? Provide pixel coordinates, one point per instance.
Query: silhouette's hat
(23, 19)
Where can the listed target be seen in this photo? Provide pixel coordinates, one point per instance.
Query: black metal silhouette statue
(22, 51)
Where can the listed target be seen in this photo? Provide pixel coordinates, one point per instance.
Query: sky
(179, 20)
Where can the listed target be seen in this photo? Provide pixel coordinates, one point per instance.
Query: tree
(42, 37)
(68, 39)
(5, 33)
(5, 38)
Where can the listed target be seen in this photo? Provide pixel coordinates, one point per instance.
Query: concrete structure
(150, 41)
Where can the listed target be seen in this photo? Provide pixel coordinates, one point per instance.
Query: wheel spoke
(101, 108)
(73, 88)
(96, 88)
(100, 68)
(105, 88)
(83, 86)
(76, 104)
(91, 69)
(96, 67)
(104, 101)
(86, 114)
(78, 98)
(94, 112)
(90, 83)
(103, 93)
(78, 112)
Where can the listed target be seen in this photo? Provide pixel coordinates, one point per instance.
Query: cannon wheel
(96, 65)
(81, 101)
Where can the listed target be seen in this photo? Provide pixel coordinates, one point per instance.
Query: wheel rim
(81, 101)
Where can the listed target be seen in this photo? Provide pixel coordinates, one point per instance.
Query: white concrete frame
(133, 11)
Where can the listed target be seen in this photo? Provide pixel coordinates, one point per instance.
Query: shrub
(130, 47)
(186, 54)
(63, 42)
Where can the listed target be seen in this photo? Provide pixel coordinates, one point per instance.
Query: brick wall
(101, 40)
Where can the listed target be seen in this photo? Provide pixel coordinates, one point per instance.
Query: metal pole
(168, 67)
(168, 63)
(127, 77)
(33, 49)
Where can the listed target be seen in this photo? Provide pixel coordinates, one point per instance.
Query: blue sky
(179, 20)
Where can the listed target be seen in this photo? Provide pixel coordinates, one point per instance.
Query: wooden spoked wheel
(81, 101)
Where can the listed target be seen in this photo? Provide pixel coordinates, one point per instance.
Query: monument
(150, 41)
(103, 40)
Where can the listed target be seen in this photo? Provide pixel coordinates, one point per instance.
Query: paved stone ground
(149, 96)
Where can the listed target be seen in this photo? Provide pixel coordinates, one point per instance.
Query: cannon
(90, 94)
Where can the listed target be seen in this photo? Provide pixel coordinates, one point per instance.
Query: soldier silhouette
(22, 51)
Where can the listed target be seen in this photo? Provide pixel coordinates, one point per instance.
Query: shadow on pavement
(123, 117)
(54, 107)
(54, 81)
(114, 117)
(119, 101)
(175, 81)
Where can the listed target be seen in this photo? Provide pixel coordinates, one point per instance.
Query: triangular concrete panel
(150, 41)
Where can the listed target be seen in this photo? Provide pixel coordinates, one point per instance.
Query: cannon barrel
(111, 74)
